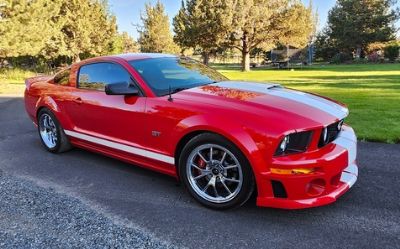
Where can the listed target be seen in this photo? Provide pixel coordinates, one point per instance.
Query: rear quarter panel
(40, 93)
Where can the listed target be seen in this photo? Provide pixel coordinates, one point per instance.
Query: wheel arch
(39, 109)
(50, 104)
(241, 139)
(183, 141)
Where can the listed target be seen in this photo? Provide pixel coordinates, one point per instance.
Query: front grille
(333, 131)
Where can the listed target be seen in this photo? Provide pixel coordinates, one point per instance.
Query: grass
(372, 93)
(12, 81)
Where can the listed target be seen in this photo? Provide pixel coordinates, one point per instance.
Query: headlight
(294, 143)
(324, 135)
(284, 143)
(330, 133)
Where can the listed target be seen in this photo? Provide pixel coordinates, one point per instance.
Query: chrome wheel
(214, 173)
(48, 131)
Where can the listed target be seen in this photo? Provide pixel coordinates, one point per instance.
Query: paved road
(366, 217)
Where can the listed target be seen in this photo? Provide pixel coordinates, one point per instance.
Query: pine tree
(50, 29)
(123, 43)
(353, 24)
(155, 35)
(203, 24)
(87, 28)
(27, 26)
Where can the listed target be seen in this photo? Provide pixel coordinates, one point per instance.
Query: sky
(128, 11)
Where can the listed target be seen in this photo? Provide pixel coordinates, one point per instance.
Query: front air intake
(279, 189)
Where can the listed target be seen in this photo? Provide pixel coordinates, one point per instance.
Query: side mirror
(122, 88)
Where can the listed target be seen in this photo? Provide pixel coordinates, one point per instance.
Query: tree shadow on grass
(383, 82)
(329, 68)
(378, 82)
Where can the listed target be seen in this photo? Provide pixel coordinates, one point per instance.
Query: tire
(53, 137)
(222, 181)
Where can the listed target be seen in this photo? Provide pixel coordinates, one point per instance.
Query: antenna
(169, 93)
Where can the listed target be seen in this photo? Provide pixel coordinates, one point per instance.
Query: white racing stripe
(311, 100)
(122, 147)
(347, 139)
(322, 104)
(349, 175)
(348, 178)
(248, 86)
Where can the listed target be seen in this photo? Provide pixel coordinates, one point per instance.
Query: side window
(96, 76)
(62, 78)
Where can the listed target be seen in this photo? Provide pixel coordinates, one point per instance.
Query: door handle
(78, 100)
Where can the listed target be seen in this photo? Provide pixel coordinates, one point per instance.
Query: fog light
(316, 187)
(299, 171)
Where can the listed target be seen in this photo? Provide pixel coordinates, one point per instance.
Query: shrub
(14, 74)
(360, 60)
(392, 51)
(341, 58)
(375, 47)
(374, 57)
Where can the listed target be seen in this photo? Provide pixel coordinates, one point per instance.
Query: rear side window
(96, 76)
(62, 78)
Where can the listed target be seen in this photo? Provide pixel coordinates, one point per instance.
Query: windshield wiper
(179, 89)
(176, 90)
(209, 83)
(170, 91)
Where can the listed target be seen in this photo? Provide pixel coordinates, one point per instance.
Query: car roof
(139, 56)
(128, 57)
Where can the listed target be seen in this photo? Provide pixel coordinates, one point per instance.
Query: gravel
(33, 216)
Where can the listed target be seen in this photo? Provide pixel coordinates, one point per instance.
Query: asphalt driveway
(366, 217)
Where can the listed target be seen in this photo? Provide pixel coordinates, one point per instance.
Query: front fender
(229, 129)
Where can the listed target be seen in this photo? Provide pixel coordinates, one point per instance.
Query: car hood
(266, 99)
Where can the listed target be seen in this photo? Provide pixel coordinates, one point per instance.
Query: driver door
(116, 118)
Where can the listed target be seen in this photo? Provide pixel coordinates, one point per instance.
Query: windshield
(175, 73)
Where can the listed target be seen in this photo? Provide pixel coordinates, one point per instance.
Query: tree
(123, 43)
(129, 44)
(203, 24)
(245, 25)
(353, 24)
(326, 49)
(298, 25)
(265, 23)
(87, 28)
(27, 26)
(392, 51)
(50, 29)
(155, 35)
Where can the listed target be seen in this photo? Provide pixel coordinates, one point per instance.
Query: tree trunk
(358, 52)
(245, 61)
(77, 58)
(206, 58)
(245, 54)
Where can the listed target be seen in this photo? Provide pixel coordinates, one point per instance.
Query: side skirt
(162, 167)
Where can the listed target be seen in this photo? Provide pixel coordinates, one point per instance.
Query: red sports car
(223, 139)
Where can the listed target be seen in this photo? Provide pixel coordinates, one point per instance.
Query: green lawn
(372, 93)
(12, 81)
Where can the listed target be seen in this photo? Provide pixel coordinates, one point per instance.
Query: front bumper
(336, 173)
